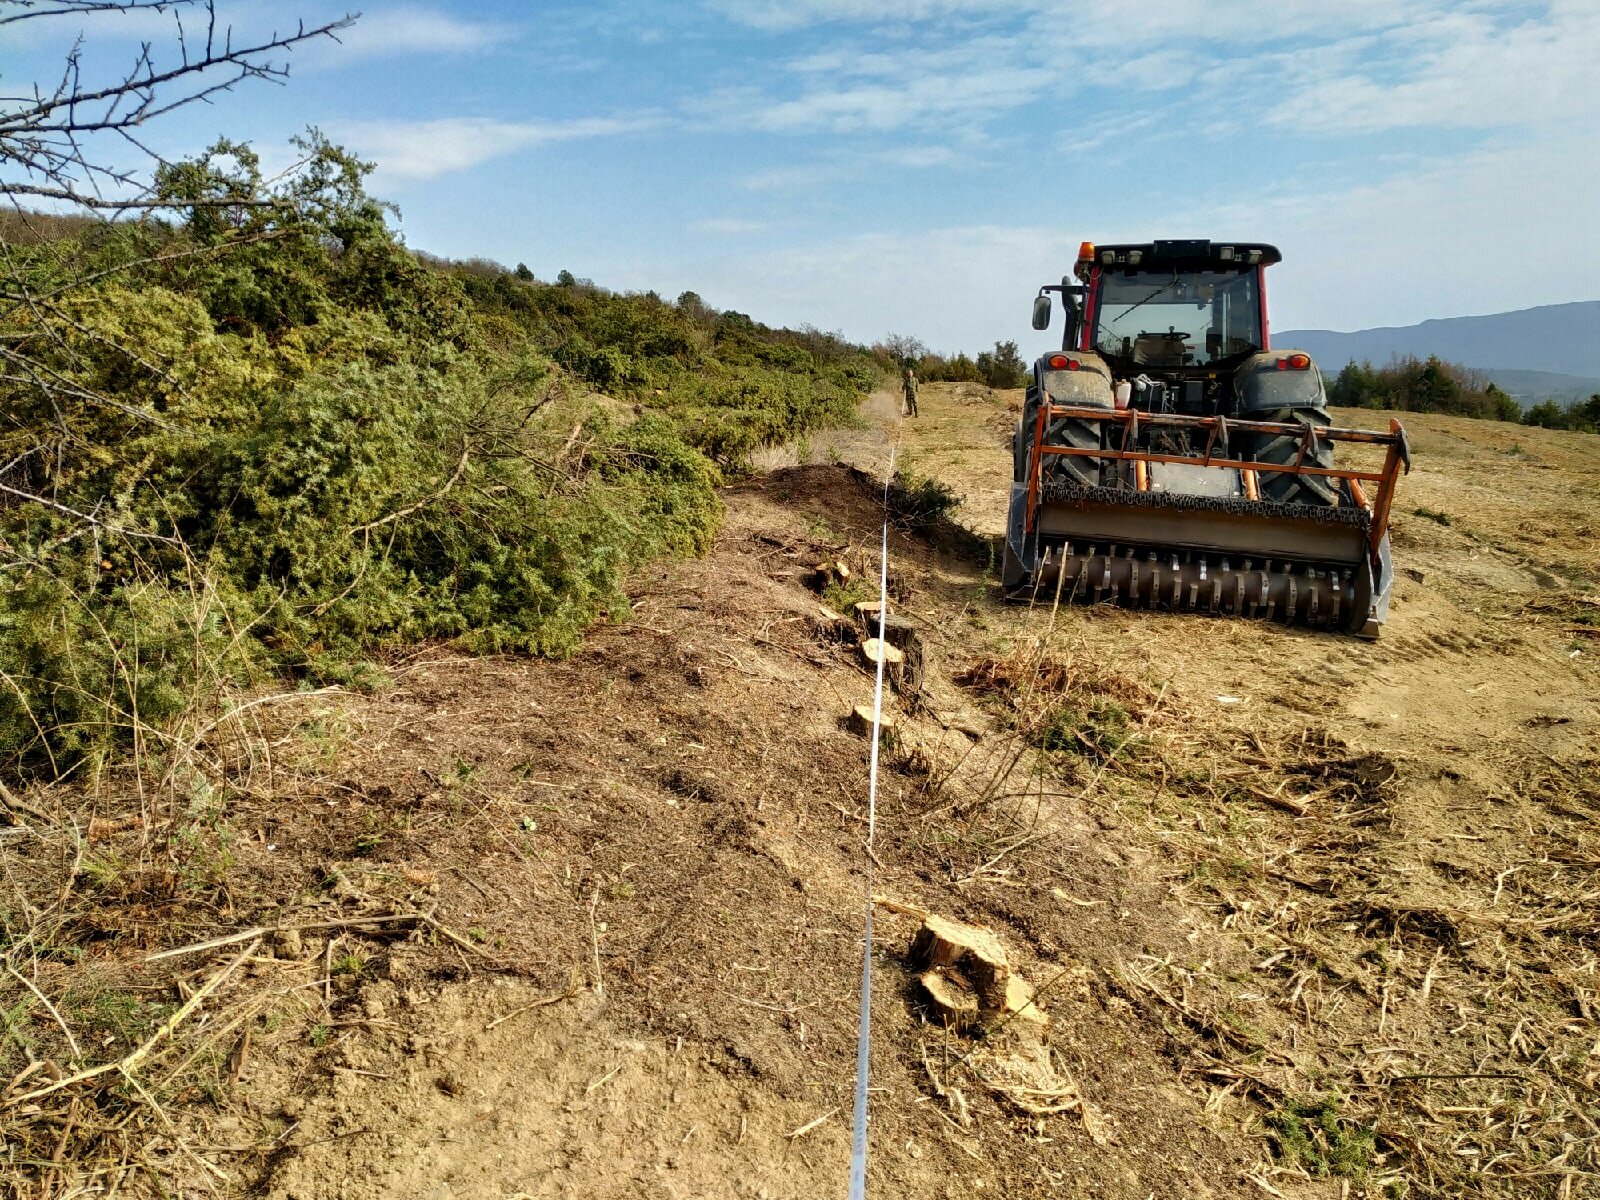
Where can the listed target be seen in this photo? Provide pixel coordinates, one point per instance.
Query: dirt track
(662, 837)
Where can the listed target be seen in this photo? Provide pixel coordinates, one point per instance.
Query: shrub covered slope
(268, 438)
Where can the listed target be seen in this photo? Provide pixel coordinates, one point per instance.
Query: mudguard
(1088, 387)
(1262, 388)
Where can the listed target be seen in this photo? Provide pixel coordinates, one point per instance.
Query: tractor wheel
(1284, 449)
(1074, 468)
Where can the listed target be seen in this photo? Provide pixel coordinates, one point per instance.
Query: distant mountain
(1539, 348)
(1543, 385)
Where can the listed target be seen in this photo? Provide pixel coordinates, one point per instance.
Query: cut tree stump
(833, 626)
(831, 570)
(952, 999)
(897, 631)
(974, 952)
(894, 662)
(860, 721)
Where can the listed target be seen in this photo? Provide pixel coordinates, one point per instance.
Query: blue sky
(920, 166)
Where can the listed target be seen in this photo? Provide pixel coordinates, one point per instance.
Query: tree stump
(860, 721)
(898, 632)
(866, 613)
(829, 571)
(894, 662)
(952, 947)
(952, 999)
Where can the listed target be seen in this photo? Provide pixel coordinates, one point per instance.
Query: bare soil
(1310, 917)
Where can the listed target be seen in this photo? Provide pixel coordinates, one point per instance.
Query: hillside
(1541, 385)
(1310, 917)
(1559, 339)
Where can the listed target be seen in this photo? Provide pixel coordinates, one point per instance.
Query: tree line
(1002, 367)
(1431, 385)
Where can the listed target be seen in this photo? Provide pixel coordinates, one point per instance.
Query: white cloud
(1439, 237)
(409, 30)
(426, 149)
(1358, 66)
(1451, 237)
(1461, 70)
(729, 226)
(921, 99)
(779, 15)
(955, 288)
(791, 178)
(923, 157)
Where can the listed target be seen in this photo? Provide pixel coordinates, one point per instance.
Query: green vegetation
(1311, 1133)
(1001, 367)
(1099, 730)
(1584, 416)
(918, 501)
(1414, 385)
(261, 439)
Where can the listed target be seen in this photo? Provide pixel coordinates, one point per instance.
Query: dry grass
(109, 1043)
(1418, 1038)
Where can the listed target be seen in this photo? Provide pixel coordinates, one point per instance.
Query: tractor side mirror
(1041, 311)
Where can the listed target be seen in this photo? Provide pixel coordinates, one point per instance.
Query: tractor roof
(1169, 254)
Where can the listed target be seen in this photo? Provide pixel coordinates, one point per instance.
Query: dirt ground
(1310, 916)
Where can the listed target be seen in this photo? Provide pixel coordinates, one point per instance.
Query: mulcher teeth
(1293, 593)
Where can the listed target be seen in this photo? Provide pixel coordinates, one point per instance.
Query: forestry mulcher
(1169, 457)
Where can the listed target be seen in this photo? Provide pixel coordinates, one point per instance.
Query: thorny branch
(42, 152)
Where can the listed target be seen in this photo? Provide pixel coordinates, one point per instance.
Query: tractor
(1168, 456)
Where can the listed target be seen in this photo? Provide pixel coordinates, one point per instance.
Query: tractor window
(1179, 318)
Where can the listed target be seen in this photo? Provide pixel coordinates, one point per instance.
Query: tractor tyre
(1284, 449)
(1063, 431)
(1074, 468)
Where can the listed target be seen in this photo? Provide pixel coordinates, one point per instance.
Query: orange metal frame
(1217, 428)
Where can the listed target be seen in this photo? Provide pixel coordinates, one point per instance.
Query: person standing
(909, 383)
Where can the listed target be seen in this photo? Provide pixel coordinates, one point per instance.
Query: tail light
(1295, 362)
(1060, 362)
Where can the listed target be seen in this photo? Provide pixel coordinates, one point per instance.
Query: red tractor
(1169, 457)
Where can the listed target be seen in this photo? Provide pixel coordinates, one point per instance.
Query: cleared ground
(1311, 917)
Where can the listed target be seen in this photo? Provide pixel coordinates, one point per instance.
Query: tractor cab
(1178, 317)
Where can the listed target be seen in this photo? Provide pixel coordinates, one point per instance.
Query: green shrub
(1310, 1133)
(918, 501)
(315, 446)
